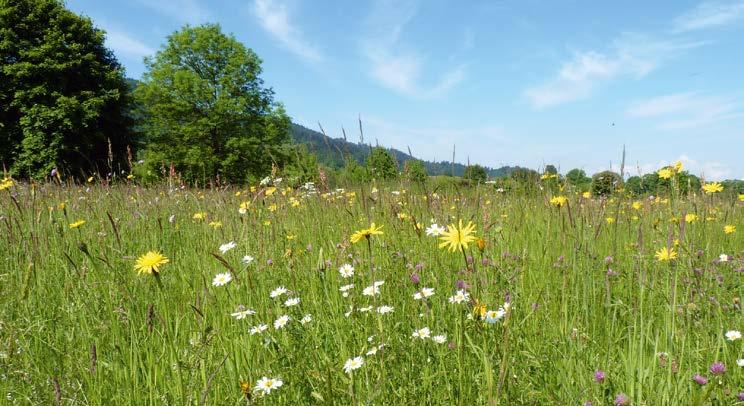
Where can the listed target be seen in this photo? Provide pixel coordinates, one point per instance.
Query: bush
(605, 183)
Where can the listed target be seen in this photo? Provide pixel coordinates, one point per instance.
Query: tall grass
(79, 326)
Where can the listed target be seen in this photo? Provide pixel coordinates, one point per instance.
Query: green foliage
(476, 174)
(634, 185)
(302, 166)
(353, 173)
(381, 164)
(577, 178)
(415, 171)
(605, 183)
(62, 93)
(206, 111)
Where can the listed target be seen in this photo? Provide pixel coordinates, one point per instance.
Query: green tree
(381, 164)
(634, 185)
(63, 95)
(605, 183)
(475, 173)
(577, 178)
(415, 171)
(206, 110)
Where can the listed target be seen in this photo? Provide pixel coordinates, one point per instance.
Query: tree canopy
(206, 110)
(63, 96)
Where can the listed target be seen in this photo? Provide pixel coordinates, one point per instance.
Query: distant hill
(331, 152)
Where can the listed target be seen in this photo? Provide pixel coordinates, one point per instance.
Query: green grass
(78, 324)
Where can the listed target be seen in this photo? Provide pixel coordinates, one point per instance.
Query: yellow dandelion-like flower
(741, 197)
(150, 263)
(130, 176)
(729, 229)
(665, 173)
(678, 166)
(479, 310)
(366, 233)
(666, 254)
(458, 237)
(270, 191)
(610, 220)
(215, 224)
(559, 201)
(6, 183)
(199, 216)
(637, 205)
(77, 224)
(691, 218)
(586, 195)
(713, 187)
(244, 206)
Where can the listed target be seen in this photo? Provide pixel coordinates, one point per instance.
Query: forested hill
(331, 152)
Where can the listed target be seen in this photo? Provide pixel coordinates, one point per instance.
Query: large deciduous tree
(206, 110)
(63, 96)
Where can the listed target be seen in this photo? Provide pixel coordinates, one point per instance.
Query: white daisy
(221, 279)
(293, 301)
(247, 259)
(723, 258)
(281, 322)
(439, 339)
(424, 293)
(228, 246)
(733, 335)
(346, 271)
(278, 292)
(422, 334)
(241, 314)
(492, 316)
(740, 362)
(352, 364)
(435, 230)
(460, 297)
(372, 351)
(385, 309)
(365, 309)
(306, 319)
(266, 385)
(258, 329)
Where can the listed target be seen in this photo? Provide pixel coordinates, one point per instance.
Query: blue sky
(512, 82)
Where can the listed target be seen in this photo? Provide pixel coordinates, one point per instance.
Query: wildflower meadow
(381, 293)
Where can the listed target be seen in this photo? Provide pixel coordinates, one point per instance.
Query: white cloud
(274, 18)
(709, 14)
(188, 11)
(394, 66)
(125, 45)
(632, 55)
(685, 110)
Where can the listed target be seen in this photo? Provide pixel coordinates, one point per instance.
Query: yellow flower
(713, 187)
(559, 201)
(479, 310)
(6, 183)
(270, 191)
(366, 233)
(150, 263)
(546, 176)
(741, 197)
(457, 237)
(244, 207)
(291, 237)
(678, 166)
(610, 220)
(77, 224)
(691, 218)
(272, 207)
(586, 195)
(245, 388)
(215, 224)
(637, 205)
(90, 179)
(61, 206)
(481, 244)
(267, 222)
(664, 173)
(199, 215)
(729, 229)
(130, 176)
(666, 254)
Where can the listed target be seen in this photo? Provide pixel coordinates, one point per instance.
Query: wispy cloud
(632, 55)
(709, 14)
(393, 65)
(187, 11)
(274, 18)
(685, 110)
(125, 45)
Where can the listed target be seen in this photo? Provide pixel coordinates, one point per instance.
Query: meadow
(123, 294)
